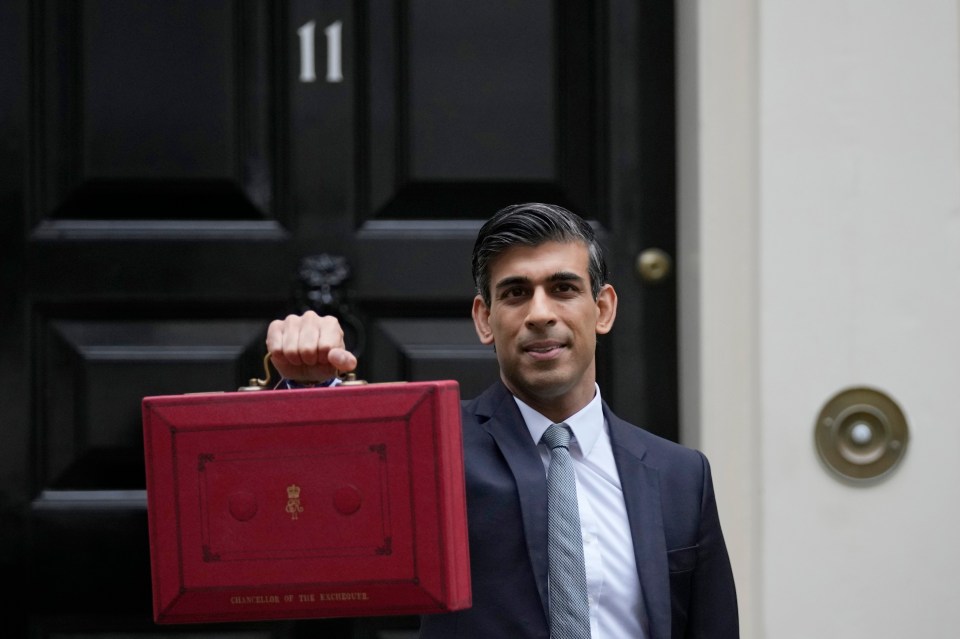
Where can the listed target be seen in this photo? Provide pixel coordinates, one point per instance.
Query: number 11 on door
(334, 50)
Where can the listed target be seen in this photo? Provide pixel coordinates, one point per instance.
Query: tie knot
(557, 436)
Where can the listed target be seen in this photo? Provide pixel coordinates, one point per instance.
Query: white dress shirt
(613, 585)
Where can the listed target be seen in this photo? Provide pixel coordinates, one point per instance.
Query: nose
(540, 312)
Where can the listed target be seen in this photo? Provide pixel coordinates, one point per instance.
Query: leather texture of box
(330, 502)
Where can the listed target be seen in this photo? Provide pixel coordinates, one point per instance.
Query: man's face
(544, 322)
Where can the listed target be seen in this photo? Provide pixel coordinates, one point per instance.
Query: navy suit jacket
(682, 561)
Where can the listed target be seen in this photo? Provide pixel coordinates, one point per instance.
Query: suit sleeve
(713, 602)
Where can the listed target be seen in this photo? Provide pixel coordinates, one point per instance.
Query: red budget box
(329, 502)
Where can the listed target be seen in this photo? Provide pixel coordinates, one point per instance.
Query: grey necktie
(569, 609)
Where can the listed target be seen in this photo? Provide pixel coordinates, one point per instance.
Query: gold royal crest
(293, 501)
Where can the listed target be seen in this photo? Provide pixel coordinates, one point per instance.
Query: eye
(513, 292)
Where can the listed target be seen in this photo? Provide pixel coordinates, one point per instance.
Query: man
(654, 559)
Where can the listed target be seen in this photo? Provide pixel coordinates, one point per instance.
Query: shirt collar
(586, 424)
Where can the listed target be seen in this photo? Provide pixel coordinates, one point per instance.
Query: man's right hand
(308, 348)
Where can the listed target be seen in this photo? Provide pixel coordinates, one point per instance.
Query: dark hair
(532, 224)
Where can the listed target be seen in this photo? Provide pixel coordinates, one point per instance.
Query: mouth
(544, 349)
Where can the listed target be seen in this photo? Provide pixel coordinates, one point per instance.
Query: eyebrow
(559, 276)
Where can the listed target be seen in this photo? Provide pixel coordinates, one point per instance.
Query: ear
(606, 309)
(481, 321)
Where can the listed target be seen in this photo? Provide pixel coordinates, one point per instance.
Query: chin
(546, 386)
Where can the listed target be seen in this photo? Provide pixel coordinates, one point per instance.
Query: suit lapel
(510, 433)
(641, 492)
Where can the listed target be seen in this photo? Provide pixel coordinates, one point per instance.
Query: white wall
(820, 249)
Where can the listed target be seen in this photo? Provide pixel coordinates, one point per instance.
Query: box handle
(255, 384)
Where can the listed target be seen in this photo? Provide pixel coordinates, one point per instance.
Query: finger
(309, 342)
(290, 343)
(330, 334)
(329, 339)
(275, 337)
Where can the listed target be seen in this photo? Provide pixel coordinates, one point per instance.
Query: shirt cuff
(290, 384)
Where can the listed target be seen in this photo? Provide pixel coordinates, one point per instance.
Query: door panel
(93, 375)
(470, 107)
(153, 111)
(179, 173)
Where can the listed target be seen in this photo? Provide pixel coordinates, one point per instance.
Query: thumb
(342, 359)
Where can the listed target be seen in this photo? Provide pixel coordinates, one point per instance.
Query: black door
(175, 174)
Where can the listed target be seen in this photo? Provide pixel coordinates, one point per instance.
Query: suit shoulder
(668, 446)
(660, 451)
(486, 404)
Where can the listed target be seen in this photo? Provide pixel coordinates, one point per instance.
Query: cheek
(502, 323)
